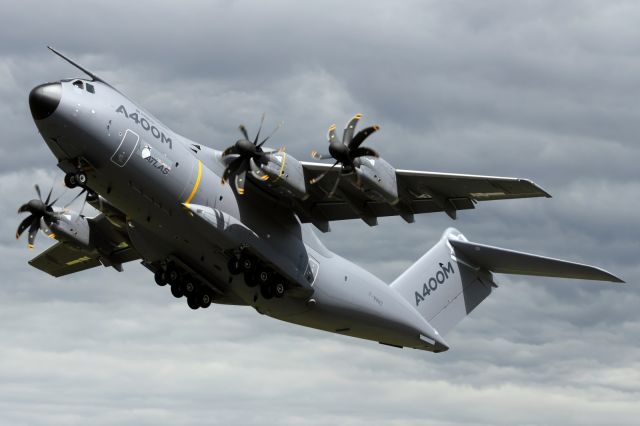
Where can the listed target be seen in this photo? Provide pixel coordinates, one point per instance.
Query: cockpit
(83, 85)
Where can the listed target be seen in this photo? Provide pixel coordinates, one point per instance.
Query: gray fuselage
(170, 190)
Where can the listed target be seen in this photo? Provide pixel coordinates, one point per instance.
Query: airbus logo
(432, 283)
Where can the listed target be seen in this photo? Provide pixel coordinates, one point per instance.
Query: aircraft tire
(189, 287)
(249, 279)
(81, 178)
(278, 290)
(193, 302)
(171, 275)
(262, 275)
(176, 291)
(247, 262)
(160, 277)
(70, 181)
(205, 300)
(266, 291)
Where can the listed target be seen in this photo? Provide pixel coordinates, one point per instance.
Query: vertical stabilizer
(443, 288)
(452, 278)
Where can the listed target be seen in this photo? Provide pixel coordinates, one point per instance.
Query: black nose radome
(44, 99)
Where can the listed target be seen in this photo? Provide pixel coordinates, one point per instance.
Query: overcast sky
(544, 90)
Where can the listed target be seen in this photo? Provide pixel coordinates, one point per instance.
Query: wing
(418, 192)
(60, 259)
(109, 247)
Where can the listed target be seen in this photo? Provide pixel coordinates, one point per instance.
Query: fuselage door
(126, 148)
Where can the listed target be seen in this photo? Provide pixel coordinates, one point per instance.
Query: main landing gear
(182, 284)
(256, 273)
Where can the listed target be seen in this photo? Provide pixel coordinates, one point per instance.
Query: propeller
(40, 217)
(345, 151)
(245, 151)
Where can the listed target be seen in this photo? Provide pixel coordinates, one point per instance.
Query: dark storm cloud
(542, 90)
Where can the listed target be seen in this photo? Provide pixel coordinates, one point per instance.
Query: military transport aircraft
(234, 226)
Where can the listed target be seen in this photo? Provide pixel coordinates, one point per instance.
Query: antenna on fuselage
(80, 67)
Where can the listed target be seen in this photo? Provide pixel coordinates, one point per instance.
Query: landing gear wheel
(189, 288)
(249, 279)
(176, 290)
(81, 178)
(70, 180)
(193, 302)
(205, 300)
(267, 291)
(263, 276)
(278, 290)
(247, 262)
(171, 275)
(160, 277)
(234, 266)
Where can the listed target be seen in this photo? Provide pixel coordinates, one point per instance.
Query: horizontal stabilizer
(513, 262)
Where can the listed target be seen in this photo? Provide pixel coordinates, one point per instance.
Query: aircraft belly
(351, 301)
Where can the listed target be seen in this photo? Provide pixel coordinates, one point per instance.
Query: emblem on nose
(44, 99)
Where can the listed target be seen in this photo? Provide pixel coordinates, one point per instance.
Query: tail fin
(452, 278)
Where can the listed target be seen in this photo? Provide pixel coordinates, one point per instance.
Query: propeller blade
(362, 135)
(56, 200)
(255, 141)
(350, 128)
(240, 180)
(38, 191)
(363, 151)
(76, 197)
(45, 228)
(24, 225)
(231, 150)
(335, 185)
(321, 176)
(244, 131)
(33, 231)
(272, 133)
(231, 168)
(318, 156)
(23, 208)
(331, 133)
(46, 203)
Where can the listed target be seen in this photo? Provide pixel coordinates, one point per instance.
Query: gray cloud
(542, 90)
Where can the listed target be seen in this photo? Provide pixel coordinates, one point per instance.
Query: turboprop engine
(283, 173)
(377, 176)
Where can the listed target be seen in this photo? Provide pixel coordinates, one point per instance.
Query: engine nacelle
(73, 229)
(379, 177)
(283, 173)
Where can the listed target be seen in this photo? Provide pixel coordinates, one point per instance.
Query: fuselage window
(90, 88)
(78, 84)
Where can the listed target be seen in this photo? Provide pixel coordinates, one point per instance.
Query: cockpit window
(79, 84)
(90, 88)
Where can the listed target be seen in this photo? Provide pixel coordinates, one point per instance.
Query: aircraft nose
(44, 99)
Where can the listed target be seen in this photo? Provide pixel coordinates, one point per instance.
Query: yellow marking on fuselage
(195, 185)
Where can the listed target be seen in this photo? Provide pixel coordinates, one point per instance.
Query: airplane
(235, 225)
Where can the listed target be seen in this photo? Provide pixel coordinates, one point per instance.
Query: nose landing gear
(74, 180)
